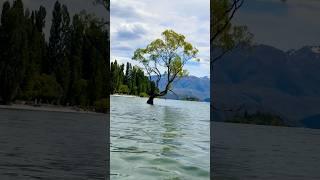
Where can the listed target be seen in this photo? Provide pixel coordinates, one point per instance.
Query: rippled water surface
(249, 152)
(52, 145)
(169, 140)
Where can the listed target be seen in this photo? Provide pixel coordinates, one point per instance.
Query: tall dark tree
(127, 75)
(75, 59)
(132, 81)
(97, 61)
(5, 13)
(55, 45)
(4, 37)
(63, 70)
(40, 16)
(36, 50)
(40, 23)
(14, 54)
(72, 68)
(58, 46)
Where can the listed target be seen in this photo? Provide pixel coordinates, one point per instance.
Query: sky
(135, 23)
(74, 6)
(286, 25)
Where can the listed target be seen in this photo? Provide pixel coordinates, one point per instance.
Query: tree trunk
(150, 100)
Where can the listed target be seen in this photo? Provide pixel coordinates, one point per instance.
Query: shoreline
(47, 108)
(126, 95)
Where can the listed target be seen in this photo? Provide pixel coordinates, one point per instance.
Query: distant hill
(269, 79)
(189, 87)
(312, 122)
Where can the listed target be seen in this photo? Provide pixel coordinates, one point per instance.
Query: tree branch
(174, 93)
(234, 7)
(214, 59)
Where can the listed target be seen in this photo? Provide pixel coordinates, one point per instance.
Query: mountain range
(188, 87)
(264, 78)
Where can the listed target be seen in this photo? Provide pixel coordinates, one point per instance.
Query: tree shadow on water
(172, 132)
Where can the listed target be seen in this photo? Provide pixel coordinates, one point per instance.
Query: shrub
(43, 87)
(102, 105)
(79, 92)
(143, 94)
(123, 89)
(258, 118)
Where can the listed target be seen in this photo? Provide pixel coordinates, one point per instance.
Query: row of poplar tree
(130, 80)
(70, 68)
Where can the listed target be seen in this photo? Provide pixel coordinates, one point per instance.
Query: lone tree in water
(165, 58)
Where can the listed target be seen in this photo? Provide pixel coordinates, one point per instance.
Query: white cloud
(131, 31)
(134, 24)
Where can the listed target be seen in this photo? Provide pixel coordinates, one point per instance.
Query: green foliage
(258, 118)
(43, 88)
(40, 16)
(171, 52)
(131, 81)
(55, 48)
(143, 94)
(102, 105)
(71, 68)
(13, 52)
(79, 90)
(188, 98)
(105, 3)
(224, 35)
(59, 47)
(123, 89)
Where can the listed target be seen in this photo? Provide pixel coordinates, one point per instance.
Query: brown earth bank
(47, 107)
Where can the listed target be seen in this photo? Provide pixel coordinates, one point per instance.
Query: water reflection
(171, 132)
(160, 141)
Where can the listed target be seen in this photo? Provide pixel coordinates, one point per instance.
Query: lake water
(52, 145)
(167, 141)
(264, 152)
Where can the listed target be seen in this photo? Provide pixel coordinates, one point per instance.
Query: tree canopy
(71, 68)
(166, 58)
(224, 35)
(129, 80)
(105, 3)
